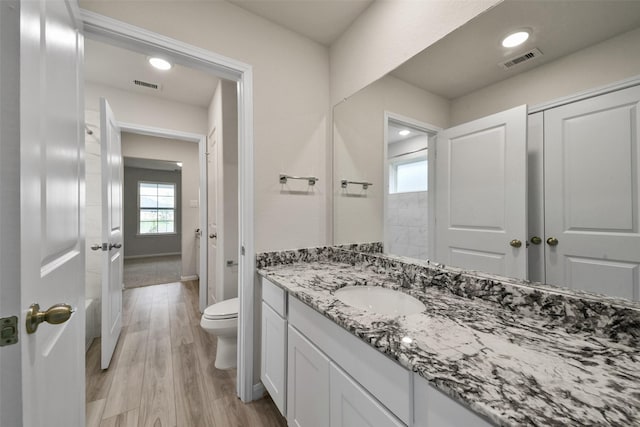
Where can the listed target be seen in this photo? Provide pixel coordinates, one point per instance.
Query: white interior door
(112, 250)
(481, 194)
(52, 212)
(212, 212)
(592, 194)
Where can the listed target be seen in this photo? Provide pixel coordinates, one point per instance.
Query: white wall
(142, 146)
(388, 33)
(359, 151)
(136, 108)
(291, 105)
(612, 60)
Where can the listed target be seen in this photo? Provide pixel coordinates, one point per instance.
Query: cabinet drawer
(275, 296)
(385, 379)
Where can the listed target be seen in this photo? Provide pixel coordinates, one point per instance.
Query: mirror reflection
(549, 191)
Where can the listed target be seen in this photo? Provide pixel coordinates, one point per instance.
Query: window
(408, 175)
(157, 204)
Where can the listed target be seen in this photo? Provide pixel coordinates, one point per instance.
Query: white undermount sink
(380, 300)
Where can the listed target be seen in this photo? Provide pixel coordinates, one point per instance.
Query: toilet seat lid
(223, 310)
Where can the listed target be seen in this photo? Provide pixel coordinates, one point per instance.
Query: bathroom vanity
(485, 351)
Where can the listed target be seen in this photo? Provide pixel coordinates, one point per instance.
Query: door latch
(8, 331)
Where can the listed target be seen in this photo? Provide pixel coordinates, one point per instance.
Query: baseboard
(152, 255)
(187, 278)
(258, 391)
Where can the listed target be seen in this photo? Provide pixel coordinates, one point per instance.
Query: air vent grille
(146, 84)
(527, 56)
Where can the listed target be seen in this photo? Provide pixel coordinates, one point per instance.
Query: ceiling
(320, 20)
(468, 58)
(116, 67)
(462, 62)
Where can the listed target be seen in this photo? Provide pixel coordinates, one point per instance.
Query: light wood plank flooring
(162, 371)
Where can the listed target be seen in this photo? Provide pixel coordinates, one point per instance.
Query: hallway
(162, 372)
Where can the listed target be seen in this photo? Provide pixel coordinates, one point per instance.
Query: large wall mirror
(462, 156)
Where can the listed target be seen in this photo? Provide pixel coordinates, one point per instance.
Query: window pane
(411, 176)
(148, 227)
(148, 201)
(165, 227)
(148, 189)
(148, 215)
(165, 190)
(165, 202)
(165, 215)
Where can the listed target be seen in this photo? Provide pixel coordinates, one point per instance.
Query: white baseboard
(152, 255)
(186, 278)
(258, 391)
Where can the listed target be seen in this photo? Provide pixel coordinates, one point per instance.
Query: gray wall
(135, 245)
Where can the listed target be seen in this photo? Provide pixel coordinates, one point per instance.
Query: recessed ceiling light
(160, 63)
(404, 132)
(179, 164)
(515, 39)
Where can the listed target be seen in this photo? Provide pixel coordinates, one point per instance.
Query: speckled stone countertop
(515, 353)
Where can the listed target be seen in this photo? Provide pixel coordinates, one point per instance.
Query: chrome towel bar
(312, 179)
(344, 183)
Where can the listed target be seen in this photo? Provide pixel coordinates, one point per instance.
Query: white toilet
(221, 320)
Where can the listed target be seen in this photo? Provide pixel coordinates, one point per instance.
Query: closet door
(481, 194)
(592, 189)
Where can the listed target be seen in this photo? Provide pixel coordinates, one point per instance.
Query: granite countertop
(512, 367)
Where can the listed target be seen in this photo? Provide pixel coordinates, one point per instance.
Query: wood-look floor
(162, 371)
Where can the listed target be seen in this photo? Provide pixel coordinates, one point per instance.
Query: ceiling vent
(146, 84)
(527, 56)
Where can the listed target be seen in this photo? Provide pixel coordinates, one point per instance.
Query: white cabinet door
(307, 383)
(351, 405)
(274, 356)
(435, 409)
(112, 216)
(481, 194)
(592, 194)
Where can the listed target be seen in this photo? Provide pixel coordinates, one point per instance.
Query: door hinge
(8, 330)
(242, 250)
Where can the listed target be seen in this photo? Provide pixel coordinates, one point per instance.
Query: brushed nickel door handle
(515, 243)
(552, 241)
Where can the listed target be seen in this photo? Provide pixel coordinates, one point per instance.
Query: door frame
(201, 140)
(432, 130)
(134, 38)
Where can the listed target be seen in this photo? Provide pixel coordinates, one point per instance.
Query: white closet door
(592, 190)
(481, 194)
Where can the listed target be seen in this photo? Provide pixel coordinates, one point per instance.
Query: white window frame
(175, 209)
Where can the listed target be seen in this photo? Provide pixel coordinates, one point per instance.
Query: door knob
(213, 236)
(56, 314)
(515, 243)
(552, 241)
(96, 247)
(536, 240)
(115, 245)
